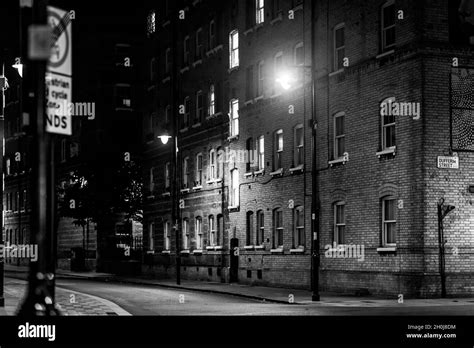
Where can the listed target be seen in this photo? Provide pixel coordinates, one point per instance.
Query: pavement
(262, 293)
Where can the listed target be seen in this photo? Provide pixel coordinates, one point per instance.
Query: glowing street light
(286, 79)
(19, 68)
(164, 139)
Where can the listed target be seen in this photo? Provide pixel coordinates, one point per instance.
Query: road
(153, 300)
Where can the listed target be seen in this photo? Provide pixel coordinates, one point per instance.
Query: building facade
(392, 112)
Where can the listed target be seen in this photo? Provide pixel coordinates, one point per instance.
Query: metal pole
(315, 254)
(2, 130)
(40, 297)
(441, 248)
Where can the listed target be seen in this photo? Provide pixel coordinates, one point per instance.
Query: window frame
(384, 201)
(198, 232)
(384, 127)
(260, 231)
(199, 169)
(212, 230)
(259, 12)
(234, 117)
(211, 101)
(295, 55)
(276, 69)
(249, 232)
(199, 45)
(336, 137)
(212, 34)
(186, 51)
(338, 225)
(186, 173)
(166, 235)
(151, 236)
(187, 112)
(277, 151)
(199, 107)
(185, 234)
(298, 146)
(336, 49)
(298, 230)
(260, 79)
(234, 49)
(260, 152)
(278, 230)
(384, 29)
(234, 181)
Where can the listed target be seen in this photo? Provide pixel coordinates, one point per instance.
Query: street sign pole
(40, 296)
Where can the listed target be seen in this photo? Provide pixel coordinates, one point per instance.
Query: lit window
(339, 135)
(186, 52)
(298, 225)
(199, 46)
(9, 162)
(212, 231)
(186, 172)
(299, 54)
(198, 231)
(249, 233)
(261, 153)
(260, 78)
(278, 152)
(260, 228)
(339, 223)
(199, 107)
(185, 234)
(388, 126)
(389, 221)
(234, 49)
(299, 146)
(166, 235)
(167, 175)
(339, 47)
(234, 188)
(198, 170)
(151, 237)
(388, 25)
(212, 165)
(277, 228)
(211, 101)
(259, 11)
(151, 23)
(234, 117)
(212, 34)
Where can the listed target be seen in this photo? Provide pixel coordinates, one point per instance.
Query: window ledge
(258, 26)
(166, 23)
(342, 160)
(196, 125)
(385, 54)
(184, 252)
(247, 175)
(277, 251)
(277, 19)
(195, 2)
(276, 95)
(166, 252)
(210, 52)
(249, 247)
(297, 169)
(387, 249)
(210, 248)
(218, 48)
(197, 62)
(166, 194)
(218, 180)
(259, 172)
(248, 31)
(389, 151)
(297, 251)
(186, 190)
(233, 69)
(260, 97)
(150, 197)
(150, 251)
(248, 102)
(232, 138)
(182, 130)
(210, 182)
(197, 252)
(183, 70)
(260, 247)
(218, 247)
(337, 72)
(233, 208)
(166, 79)
(277, 172)
(298, 8)
(197, 188)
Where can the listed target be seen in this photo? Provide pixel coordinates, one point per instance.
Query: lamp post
(287, 80)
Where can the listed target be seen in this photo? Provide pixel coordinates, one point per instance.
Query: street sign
(448, 162)
(59, 75)
(39, 42)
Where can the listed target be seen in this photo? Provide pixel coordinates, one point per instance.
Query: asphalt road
(153, 300)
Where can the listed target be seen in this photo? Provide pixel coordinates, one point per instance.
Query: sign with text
(60, 60)
(448, 162)
(58, 96)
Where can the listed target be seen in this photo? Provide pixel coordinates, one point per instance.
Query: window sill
(297, 251)
(260, 247)
(298, 8)
(342, 160)
(385, 54)
(182, 130)
(233, 69)
(337, 72)
(166, 23)
(276, 251)
(276, 95)
(260, 97)
(277, 19)
(195, 2)
(248, 175)
(249, 247)
(197, 62)
(233, 208)
(232, 138)
(150, 197)
(277, 172)
(218, 181)
(259, 172)
(258, 26)
(389, 151)
(210, 248)
(186, 190)
(248, 102)
(166, 252)
(297, 169)
(186, 252)
(166, 194)
(196, 125)
(197, 252)
(387, 249)
(166, 79)
(183, 70)
(197, 188)
(248, 31)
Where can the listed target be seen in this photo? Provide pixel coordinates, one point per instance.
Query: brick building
(390, 81)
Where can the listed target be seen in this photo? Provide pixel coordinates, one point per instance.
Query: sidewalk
(262, 293)
(70, 302)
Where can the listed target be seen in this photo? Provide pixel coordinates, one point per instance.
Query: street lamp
(164, 139)
(287, 80)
